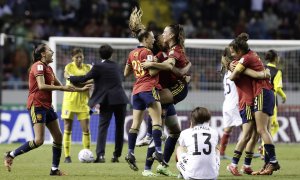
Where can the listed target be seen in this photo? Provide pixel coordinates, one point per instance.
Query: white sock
(12, 154)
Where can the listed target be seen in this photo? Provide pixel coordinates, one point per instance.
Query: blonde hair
(136, 26)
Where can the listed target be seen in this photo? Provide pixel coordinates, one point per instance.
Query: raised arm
(257, 74)
(182, 71)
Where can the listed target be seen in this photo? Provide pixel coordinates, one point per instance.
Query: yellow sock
(67, 142)
(86, 140)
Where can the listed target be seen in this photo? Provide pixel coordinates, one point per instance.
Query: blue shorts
(179, 91)
(265, 102)
(42, 115)
(170, 109)
(247, 114)
(142, 100)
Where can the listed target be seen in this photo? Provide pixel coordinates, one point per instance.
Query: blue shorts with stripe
(247, 114)
(142, 100)
(42, 115)
(179, 91)
(265, 102)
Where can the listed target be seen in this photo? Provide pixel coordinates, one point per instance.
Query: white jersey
(231, 96)
(201, 160)
(231, 114)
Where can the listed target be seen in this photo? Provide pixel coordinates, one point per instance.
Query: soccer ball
(86, 156)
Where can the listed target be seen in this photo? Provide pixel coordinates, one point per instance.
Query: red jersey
(177, 52)
(245, 91)
(165, 77)
(252, 61)
(37, 97)
(144, 82)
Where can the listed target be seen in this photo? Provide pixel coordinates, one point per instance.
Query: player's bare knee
(39, 142)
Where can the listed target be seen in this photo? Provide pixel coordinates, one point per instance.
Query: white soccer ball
(86, 156)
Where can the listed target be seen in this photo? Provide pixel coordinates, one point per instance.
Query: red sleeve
(146, 55)
(38, 69)
(174, 54)
(245, 61)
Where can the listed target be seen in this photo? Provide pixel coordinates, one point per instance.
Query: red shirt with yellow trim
(165, 77)
(252, 61)
(245, 90)
(37, 97)
(177, 52)
(144, 82)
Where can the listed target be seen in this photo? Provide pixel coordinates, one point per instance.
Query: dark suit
(109, 93)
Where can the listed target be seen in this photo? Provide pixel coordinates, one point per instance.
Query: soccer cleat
(270, 168)
(57, 172)
(164, 171)
(8, 161)
(233, 170)
(130, 159)
(144, 142)
(148, 173)
(100, 159)
(160, 158)
(115, 159)
(254, 173)
(246, 170)
(68, 159)
(163, 137)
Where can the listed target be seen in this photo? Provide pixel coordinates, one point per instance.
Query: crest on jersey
(171, 52)
(40, 67)
(39, 117)
(241, 60)
(149, 58)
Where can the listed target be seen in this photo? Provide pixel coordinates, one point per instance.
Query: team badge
(171, 52)
(40, 67)
(149, 58)
(39, 117)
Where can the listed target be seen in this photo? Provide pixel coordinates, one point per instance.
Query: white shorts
(232, 118)
(182, 165)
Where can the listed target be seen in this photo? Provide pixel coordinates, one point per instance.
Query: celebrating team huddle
(162, 75)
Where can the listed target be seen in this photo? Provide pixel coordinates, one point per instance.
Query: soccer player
(171, 121)
(145, 90)
(197, 154)
(263, 99)
(231, 115)
(230, 110)
(75, 103)
(42, 82)
(276, 79)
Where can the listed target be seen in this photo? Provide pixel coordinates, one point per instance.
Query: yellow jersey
(76, 101)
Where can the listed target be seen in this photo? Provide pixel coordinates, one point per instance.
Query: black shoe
(130, 159)
(160, 158)
(100, 159)
(57, 172)
(68, 159)
(114, 159)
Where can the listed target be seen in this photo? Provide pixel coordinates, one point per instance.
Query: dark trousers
(106, 112)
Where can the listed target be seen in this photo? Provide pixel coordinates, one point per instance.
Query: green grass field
(36, 165)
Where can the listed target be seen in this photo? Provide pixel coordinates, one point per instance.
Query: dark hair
(200, 115)
(76, 51)
(240, 43)
(37, 52)
(105, 51)
(271, 55)
(135, 25)
(178, 32)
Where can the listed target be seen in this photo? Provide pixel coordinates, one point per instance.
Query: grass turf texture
(36, 165)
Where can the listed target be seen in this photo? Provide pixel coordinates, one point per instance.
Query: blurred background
(28, 22)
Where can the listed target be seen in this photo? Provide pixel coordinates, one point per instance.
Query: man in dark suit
(109, 93)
